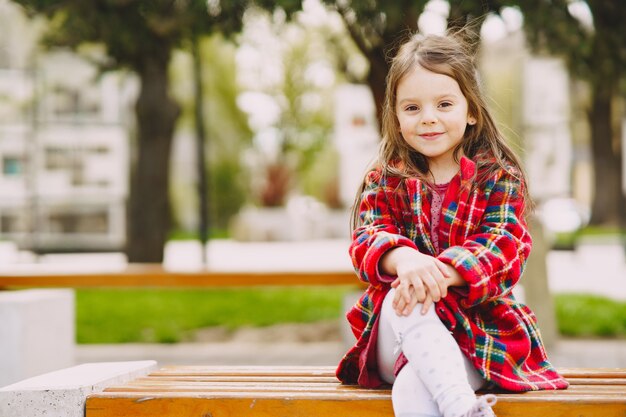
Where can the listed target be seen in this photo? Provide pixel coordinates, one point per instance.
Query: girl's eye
(445, 104)
(411, 108)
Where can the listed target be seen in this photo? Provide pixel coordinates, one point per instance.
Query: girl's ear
(471, 121)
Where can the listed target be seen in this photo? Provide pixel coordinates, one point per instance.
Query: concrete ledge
(36, 332)
(63, 393)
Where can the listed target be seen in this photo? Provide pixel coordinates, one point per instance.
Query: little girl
(441, 239)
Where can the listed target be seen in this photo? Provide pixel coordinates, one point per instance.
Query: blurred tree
(595, 51)
(295, 77)
(374, 26)
(227, 130)
(140, 35)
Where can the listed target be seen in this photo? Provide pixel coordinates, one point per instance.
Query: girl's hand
(421, 278)
(406, 309)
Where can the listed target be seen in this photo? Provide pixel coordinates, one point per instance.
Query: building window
(12, 223)
(12, 166)
(96, 222)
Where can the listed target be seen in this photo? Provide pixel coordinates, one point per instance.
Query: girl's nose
(428, 117)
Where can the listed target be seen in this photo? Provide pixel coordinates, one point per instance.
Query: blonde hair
(450, 55)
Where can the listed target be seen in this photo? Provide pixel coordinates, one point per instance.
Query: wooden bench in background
(314, 391)
(153, 275)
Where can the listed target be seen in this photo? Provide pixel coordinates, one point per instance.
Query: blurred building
(63, 147)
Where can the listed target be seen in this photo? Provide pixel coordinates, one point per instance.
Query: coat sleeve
(492, 257)
(380, 227)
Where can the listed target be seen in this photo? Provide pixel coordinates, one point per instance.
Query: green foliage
(135, 29)
(300, 88)
(228, 191)
(180, 234)
(228, 133)
(305, 130)
(581, 315)
(167, 316)
(592, 53)
(321, 181)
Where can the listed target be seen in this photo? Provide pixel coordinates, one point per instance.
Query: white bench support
(63, 393)
(37, 332)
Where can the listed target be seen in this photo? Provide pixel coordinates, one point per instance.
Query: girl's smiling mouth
(430, 135)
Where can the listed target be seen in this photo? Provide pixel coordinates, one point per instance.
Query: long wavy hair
(450, 55)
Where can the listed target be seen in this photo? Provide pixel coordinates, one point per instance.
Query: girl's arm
(492, 258)
(381, 228)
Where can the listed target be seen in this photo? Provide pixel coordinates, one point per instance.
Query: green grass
(568, 241)
(581, 315)
(169, 316)
(601, 231)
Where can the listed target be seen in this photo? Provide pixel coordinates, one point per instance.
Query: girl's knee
(399, 322)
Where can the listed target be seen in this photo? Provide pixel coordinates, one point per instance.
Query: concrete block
(37, 332)
(63, 393)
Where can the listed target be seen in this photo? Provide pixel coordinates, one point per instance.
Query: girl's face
(432, 113)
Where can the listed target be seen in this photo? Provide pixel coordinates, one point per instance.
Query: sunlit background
(235, 137)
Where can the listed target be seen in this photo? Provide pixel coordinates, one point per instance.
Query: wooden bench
(153, 275)
(314, 391)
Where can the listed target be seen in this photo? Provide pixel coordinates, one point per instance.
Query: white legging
(440, 356)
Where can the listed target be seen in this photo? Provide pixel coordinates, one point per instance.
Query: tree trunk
(536, 285)
(149, 211)
(203, 188)
(376, 79)
(607, 161)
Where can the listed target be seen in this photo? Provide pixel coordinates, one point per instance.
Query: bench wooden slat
(308, 384)
(332, 379)
(320, 388)
(597, 381)
(260, 405)
(593, 372)
(314, 391)
(330, 371)
(136, 386)
(253, 371)
(244, 378)
(584, 376)
(155, 276)
(167, 386)
(239, 407)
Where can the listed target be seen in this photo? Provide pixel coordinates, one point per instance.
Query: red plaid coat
(483, 236)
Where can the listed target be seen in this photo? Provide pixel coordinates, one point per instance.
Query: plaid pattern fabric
(483, 236)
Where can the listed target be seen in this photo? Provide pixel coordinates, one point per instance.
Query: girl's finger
(443, 267)
(441, 282)
(426, 305)
(418, 288)
(398, 302)
(395, 283)
(400, 307)
(409, 308)
(402, 290)
(433, 286)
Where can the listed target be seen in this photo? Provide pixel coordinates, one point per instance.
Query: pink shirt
(439, 191)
